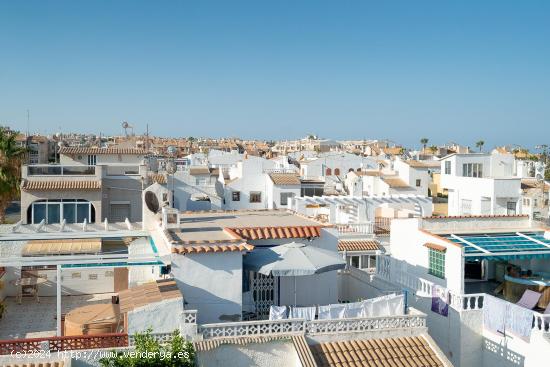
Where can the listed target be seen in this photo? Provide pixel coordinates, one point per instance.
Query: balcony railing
(314, 327)
(58, 170)
(366, 228)
(62, 343)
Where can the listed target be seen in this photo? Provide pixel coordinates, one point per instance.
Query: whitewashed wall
(161, 317)
(210, 283)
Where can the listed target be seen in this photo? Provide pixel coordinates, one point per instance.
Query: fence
(62, 343)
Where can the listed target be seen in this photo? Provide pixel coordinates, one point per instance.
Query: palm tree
(424, 142)
(433, 149)
(480, 144)
(11, 158)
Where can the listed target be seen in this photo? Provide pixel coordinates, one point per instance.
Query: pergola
(16, 249)
(504, 245)
(365, 204)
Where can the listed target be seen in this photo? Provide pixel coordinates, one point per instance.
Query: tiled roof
(148, 293)
(527, 184)
(193, 171)
(261, 233)
(476, 216)
(423, 164)
(285, 178)
(303, 351)
(211, 247)
(358, 245)
(60, 185)
(394, 352)
(112, 150)
(435, 246)
(368, 173)
(395, 182)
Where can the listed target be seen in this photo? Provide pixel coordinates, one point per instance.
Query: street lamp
(171, 167)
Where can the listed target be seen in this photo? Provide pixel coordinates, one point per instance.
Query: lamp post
(171, 167)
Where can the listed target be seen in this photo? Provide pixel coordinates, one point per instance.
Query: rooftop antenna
(126, 126)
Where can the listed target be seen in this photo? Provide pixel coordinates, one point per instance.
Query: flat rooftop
(209, 226)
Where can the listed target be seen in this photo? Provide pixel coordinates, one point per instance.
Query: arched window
(350, 170)
(358, 170)
(337, 171)
(55, 210)
(328, 172)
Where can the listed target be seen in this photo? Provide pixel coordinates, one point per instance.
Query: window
(55, 210)
(236, 196)
(255, 197)
(447, 167)
(311, 191)
(418, 183)
(285, 196)
(511, 208)
(472, 170)
(354, 261)
(328, 172)
(92, 159)
(337, 171)
(437, 263)
(92, 276)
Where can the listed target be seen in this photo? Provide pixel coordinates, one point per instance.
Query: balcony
(58, 170)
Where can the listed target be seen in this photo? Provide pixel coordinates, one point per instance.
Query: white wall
(412, 257)
(210, 283)
(161, 317)
(270, 354)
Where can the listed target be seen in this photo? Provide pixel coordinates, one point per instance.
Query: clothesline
(390, 305)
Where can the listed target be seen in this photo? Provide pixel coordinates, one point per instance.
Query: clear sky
(450, 71)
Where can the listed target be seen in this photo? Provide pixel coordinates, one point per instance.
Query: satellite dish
(125, 125)
(152, 202)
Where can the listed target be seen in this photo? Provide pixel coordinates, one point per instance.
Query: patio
(33, 320)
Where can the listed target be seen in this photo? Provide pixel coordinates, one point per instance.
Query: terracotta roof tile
(112, 150)
(260, 233)
(148, 293)
(358, 245)
(435, 246)
(158, 178)
(395, 182)
(393, 352)
(211, 248)
(60, 185)
(194, 171)
(285, 178)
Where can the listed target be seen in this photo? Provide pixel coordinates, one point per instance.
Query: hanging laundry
(306, 313)
(440, 297)
(278, 312)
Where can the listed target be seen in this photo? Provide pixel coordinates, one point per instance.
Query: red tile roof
(111, 150)
(285, 178)
(435, 246)
(60, 185)
(358, 245)
(395, 352)
(261, 233)
(211, 247)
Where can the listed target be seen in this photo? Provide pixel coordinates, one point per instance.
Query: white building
(481, 184)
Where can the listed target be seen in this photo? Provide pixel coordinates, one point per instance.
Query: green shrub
(149, 352)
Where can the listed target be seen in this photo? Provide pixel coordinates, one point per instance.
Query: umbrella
(293, 259)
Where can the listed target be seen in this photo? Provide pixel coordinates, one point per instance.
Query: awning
(62, 247)
(293, 259)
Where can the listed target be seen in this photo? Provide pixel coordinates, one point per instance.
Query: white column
(58, 294)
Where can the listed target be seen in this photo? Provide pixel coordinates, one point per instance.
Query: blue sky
(451, 71)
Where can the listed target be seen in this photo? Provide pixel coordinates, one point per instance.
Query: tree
(11, 158)
(433, 149)
(149, 352)
(480, 144)
(424, 142)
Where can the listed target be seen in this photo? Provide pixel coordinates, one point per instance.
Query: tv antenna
(126, 126)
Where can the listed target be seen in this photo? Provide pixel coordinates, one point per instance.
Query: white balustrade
(366, 228)
(252, 328)
(541, 322)
(190, 316)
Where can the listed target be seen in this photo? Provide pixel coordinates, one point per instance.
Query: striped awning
(62, 247)
(358, 245)
(61, 185)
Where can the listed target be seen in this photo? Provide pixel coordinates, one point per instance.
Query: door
(120, 279)
(119, 212)
(264, 293)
